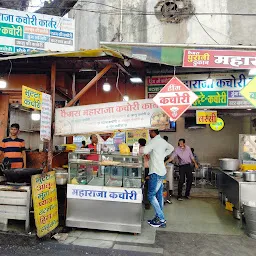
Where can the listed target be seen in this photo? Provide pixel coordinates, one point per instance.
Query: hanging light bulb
(35, 115)
(126, 98)
(3, 83)
(106, 86)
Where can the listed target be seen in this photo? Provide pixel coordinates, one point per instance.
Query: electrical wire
(136, 12)
(117, 81)
(139, 12)
(10, 70)
(205, 30)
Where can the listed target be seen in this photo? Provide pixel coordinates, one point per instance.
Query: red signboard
(219, 59)
(175, 98)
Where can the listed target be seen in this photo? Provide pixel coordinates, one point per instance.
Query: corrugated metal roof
(92, 53)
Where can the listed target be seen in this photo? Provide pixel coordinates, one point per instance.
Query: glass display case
(106, 169)
(99, 183)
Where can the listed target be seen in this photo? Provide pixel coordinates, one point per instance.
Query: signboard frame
(44, 194)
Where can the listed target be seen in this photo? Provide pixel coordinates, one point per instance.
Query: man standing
(93, 147)
(158, 149)
(185, 158)
(13, 148)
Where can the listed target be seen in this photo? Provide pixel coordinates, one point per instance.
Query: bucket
(250, 219)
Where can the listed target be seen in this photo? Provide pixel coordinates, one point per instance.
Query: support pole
(50, 144)
(89, 85)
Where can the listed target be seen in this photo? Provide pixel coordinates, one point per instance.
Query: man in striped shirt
(13, 148)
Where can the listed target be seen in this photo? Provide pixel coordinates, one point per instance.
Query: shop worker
(83, 144)
(158, 149)
(13, 148)
(186, 160)
(93, 147)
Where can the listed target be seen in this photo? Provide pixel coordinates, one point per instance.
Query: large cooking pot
(20, 175)
(229, 164)
(249, 176)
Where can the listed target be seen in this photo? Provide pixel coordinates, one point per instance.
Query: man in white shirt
(158, 149)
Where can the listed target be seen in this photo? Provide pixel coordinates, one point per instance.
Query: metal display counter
(236, 189)
(106, 193)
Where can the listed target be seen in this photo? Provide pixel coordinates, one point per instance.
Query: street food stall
(106, 191)
(109, 198)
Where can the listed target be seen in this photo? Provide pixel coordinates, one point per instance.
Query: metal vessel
(249, 176)
(229, 164)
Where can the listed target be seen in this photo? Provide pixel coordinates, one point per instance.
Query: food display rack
(105, 194)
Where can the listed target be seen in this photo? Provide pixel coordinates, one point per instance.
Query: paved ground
(197, 227)
(14, 245)
(181, 244)
(172, 244)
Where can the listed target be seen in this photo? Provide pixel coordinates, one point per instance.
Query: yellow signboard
(45, 203)
(218, 126)
(249, 92)
(206, 117)
(134, 136)
(31, 98)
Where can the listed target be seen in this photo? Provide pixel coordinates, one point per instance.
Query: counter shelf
(105, 194)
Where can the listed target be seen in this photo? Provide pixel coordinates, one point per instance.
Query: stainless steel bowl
(61, 178)
(229, 164)
(249, 176)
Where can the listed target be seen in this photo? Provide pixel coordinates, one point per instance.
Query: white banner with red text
(137, 114)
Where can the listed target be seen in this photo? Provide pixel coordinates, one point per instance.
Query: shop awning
(92, 53)
(169, 54)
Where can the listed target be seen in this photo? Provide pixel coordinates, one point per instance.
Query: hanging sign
(175, 98)
(106, 117)
(206, 117)
(45, 203)
(219, 59)
(31, 98)
(218, 126)
(249, 92)
(46, 118)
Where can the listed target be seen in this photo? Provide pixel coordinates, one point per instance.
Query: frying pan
(20, 175)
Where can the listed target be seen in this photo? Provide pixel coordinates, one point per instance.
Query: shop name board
(175, 98)
(23, 32)
(31, 98)
(219, 59)
(46, 118)
(224, 91)
(206, 117)
(212, 98)
(100, 193)
(45, 202)
(107, 117)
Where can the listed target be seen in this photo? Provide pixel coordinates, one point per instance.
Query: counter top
(237, 179)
